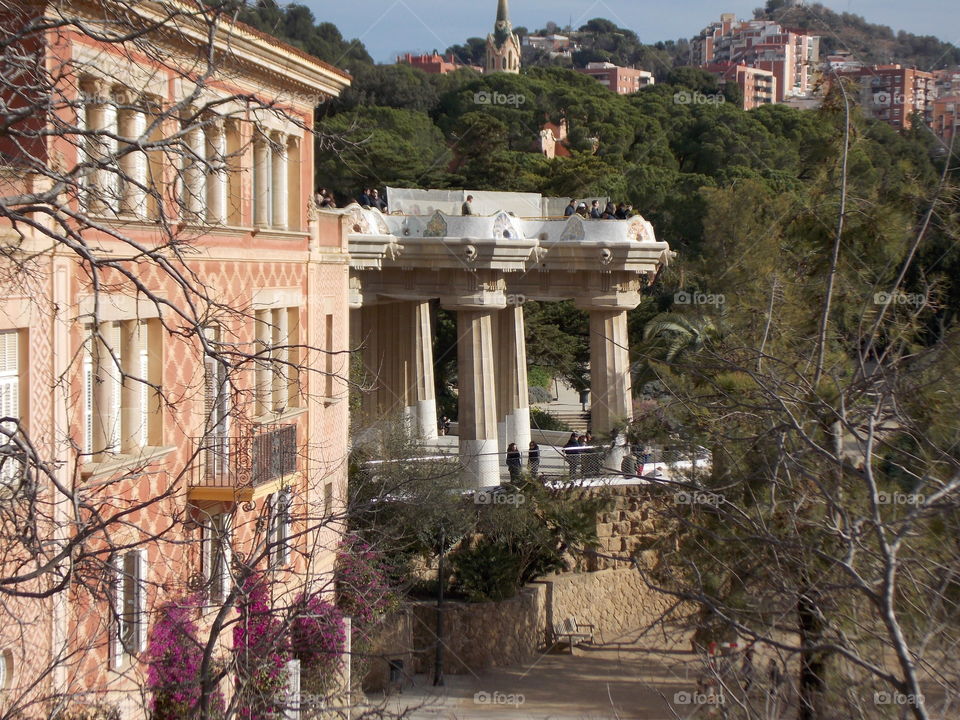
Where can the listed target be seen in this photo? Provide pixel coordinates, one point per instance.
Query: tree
(834, 485)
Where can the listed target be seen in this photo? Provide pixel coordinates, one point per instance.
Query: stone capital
(479, 300)
(614, 301)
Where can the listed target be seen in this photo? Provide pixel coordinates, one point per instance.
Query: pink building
(621, 80)
(434, 64)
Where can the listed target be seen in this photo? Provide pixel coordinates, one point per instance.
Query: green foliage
(388, 147)
(296, 25)
(486, 571)
(539, 376)
(544, 420)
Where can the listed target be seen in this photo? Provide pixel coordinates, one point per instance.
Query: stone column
(426, 398)
(513, 405)
(195, 176)
(479, 451)
(105, 378)
(261, 181)
(217, 178)
(132, 340)
(102, 119)
(279, 171)
(610, 381)
(133, 123)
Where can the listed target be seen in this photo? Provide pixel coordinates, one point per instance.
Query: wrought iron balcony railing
(245, 460)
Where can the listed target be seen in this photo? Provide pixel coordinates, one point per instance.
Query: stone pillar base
(481, 463)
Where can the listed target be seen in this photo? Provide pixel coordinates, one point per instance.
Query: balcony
(243, 467)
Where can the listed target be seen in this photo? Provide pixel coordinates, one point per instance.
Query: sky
(392, 27)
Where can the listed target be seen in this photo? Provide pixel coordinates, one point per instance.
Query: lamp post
(438, 659)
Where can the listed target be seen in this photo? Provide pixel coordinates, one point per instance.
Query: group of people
(581, 455)
(623, 211)
(515, 461)
(324, 198)
(370, 198)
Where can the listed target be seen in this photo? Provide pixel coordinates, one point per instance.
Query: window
(10, 466)
(278, 357)
(129, 605)
(279, 533)
(6, 669)
(328, 355)
(328, 500)
(217, 555)
(121, 371)
(216, 399)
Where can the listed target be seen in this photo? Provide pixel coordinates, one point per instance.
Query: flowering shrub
(363, 591)
(174, 657)
(261, 651)
(318, 639)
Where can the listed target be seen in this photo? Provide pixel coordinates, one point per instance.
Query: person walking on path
(533, 460)
(467, 208)
(595, 211)
(514, 462)
(571, 208)
(572, 452)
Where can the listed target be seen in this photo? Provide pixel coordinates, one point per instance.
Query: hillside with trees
(867, 42)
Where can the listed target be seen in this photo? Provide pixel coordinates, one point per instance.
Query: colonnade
(396, 338)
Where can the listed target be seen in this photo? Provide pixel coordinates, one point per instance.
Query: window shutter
(141, 633)
(9, 399)
(113, 415)
(144, 388)
(87, 402)
(116, 622)
(227, 550)
(292, 705)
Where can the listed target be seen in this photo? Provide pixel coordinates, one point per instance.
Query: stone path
(626, 680)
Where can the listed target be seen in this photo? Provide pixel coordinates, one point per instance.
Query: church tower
(503, 46)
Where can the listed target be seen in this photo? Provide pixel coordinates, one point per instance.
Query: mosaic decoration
(574, 231)
(437, 227)
(503, 227)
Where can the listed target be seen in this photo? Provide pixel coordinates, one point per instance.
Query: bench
(574, 632)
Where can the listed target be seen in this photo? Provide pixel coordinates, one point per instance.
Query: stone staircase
(578, 421)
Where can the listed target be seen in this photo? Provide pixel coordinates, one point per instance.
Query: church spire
(503, 45)
(503, 12)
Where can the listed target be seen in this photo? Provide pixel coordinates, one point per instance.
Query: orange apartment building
(758, 87)
(792, 56)
(173, 334)
(945, 119)
(621, 80)
(892, 93)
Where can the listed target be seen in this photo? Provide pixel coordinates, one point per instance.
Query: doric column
(426, 396)
(513, 405)
(133, 124)
(195, 175)
(611, 399)
(279, 170)
(102, 119)
(131, 395)
(477, 415)
(261, 180)
(216, 142)
(281, 356)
